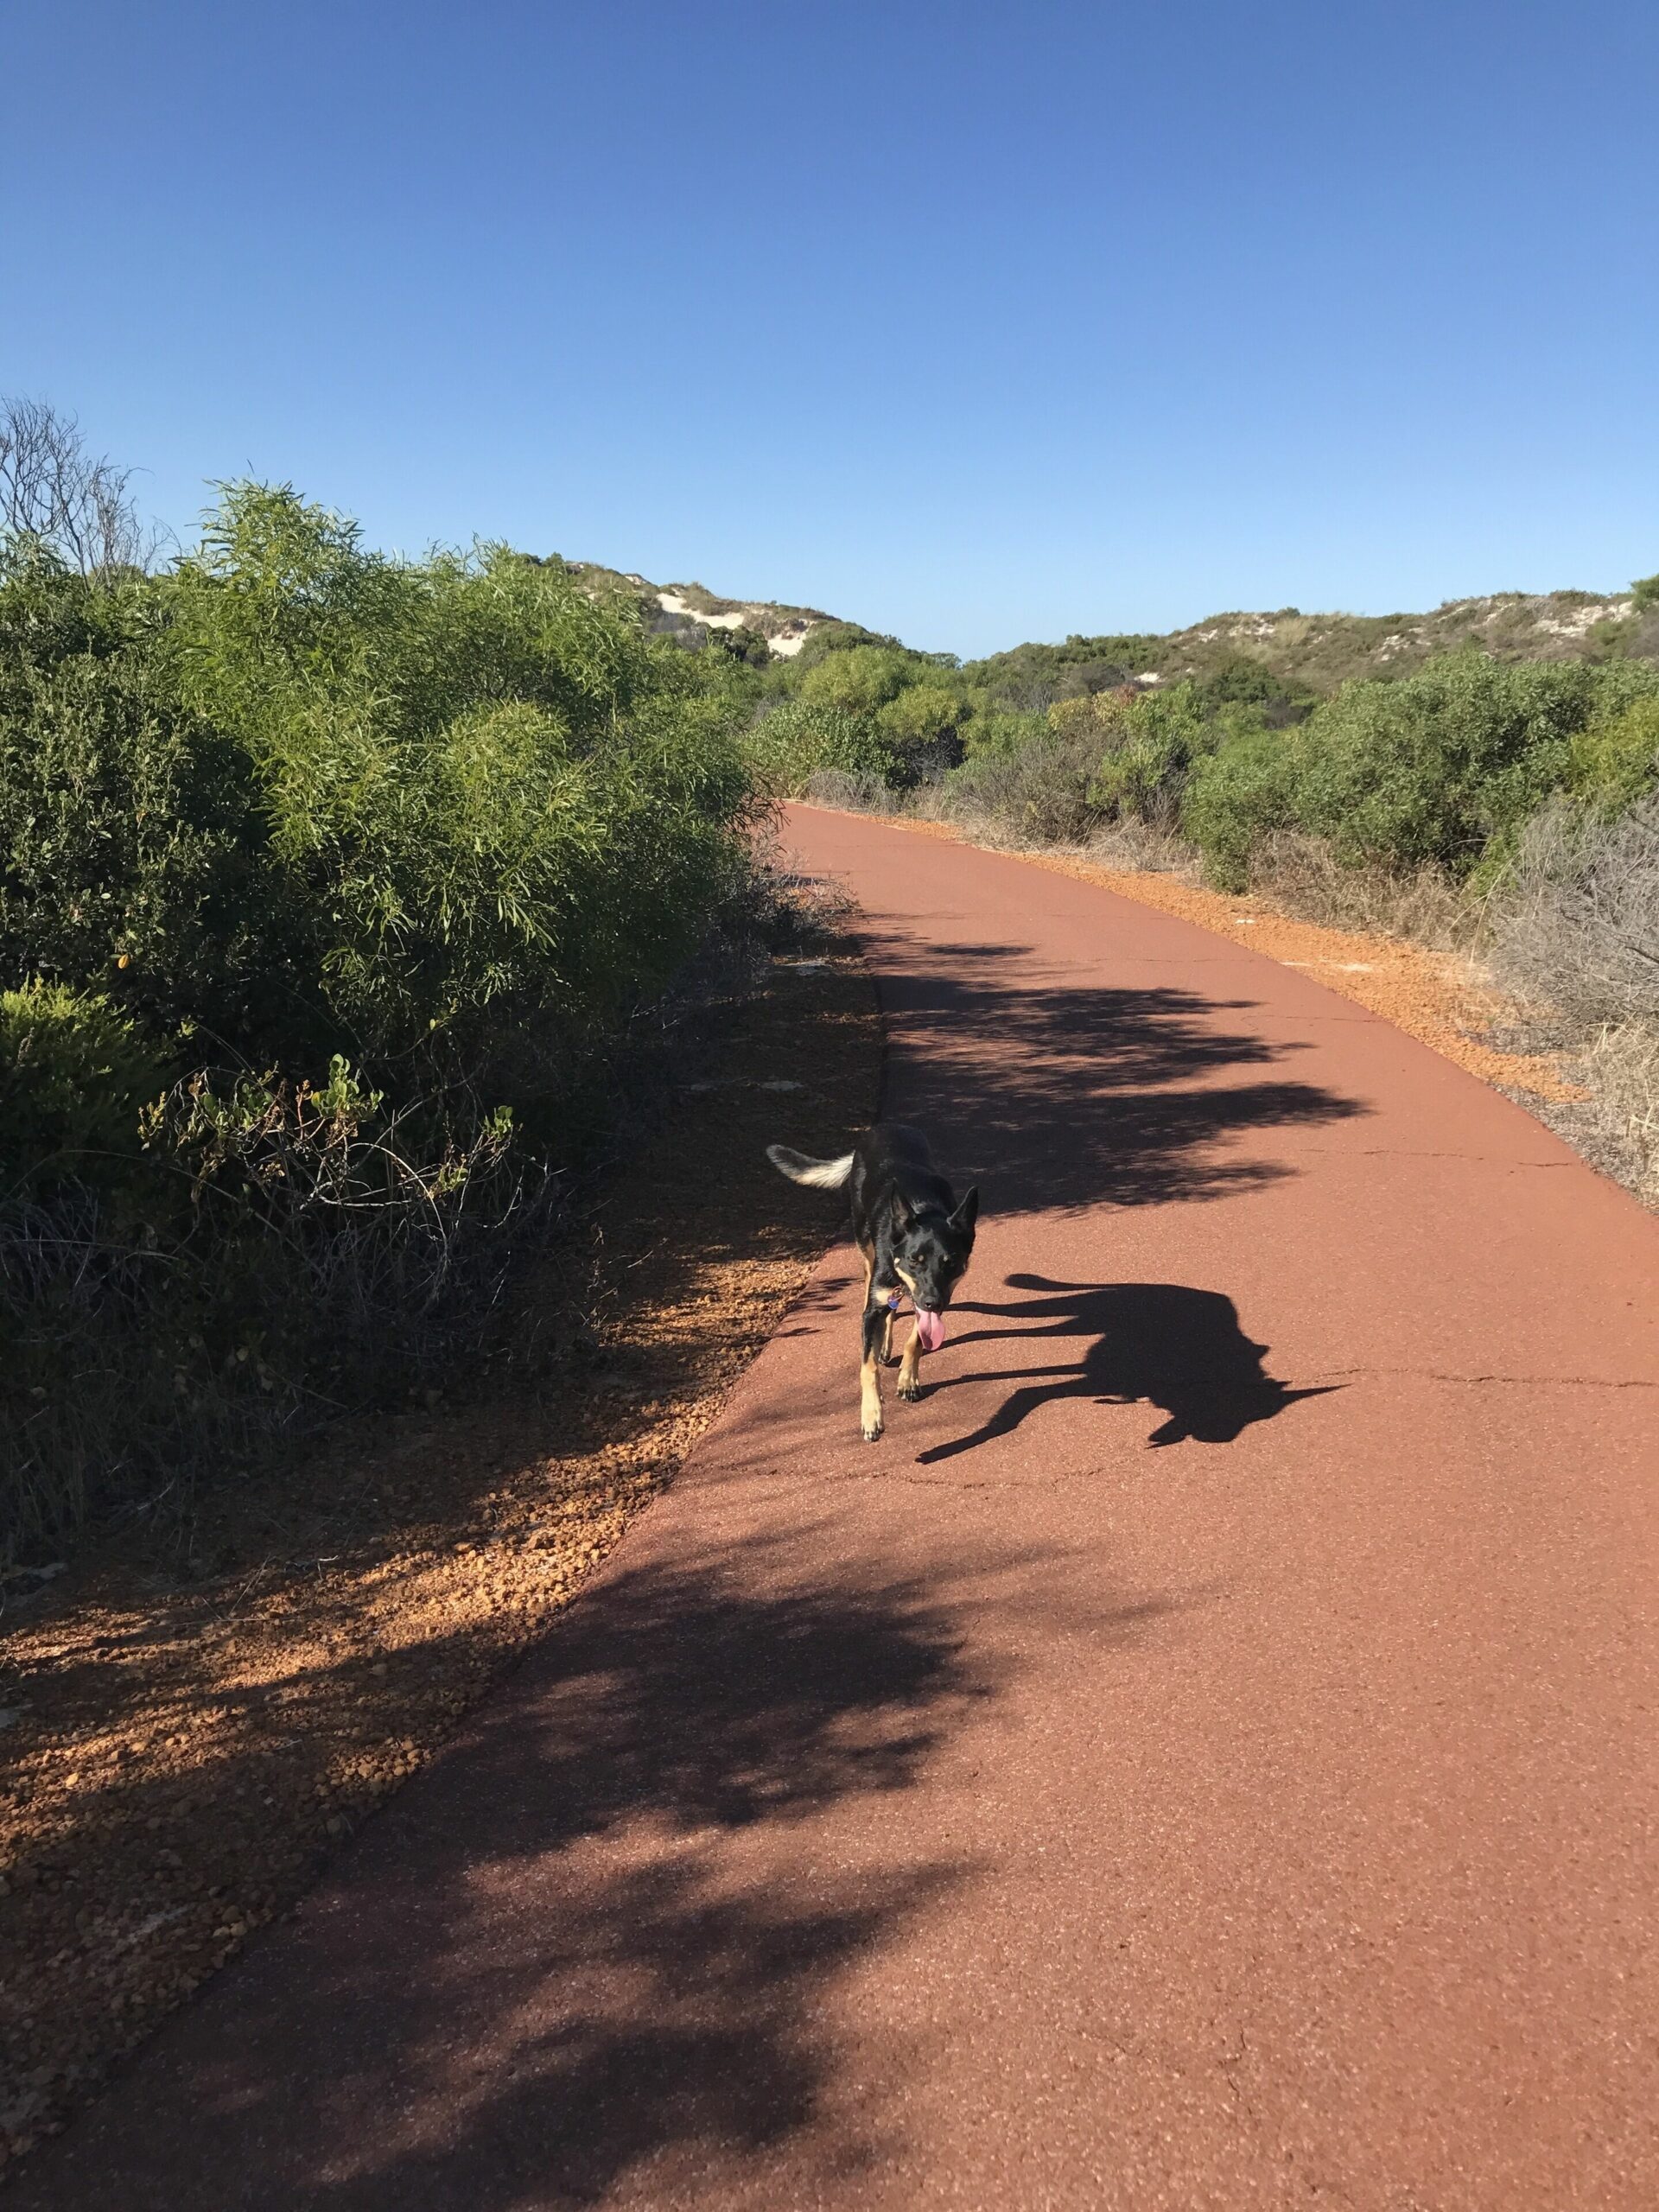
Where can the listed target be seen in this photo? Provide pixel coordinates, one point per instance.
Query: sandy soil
(181, 1758)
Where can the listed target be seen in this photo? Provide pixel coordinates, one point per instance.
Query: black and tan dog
(915, 1238)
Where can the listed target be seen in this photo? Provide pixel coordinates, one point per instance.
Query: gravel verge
(182, 1756)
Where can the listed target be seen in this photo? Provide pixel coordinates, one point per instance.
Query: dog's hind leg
(876, 1318)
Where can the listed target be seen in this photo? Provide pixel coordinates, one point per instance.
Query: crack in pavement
(820, 1480)
(1523, 1382)
(1410, 1152)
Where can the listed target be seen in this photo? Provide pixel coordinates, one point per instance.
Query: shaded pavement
(1203, 1755)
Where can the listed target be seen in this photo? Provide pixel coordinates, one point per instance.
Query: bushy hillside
(1317, 653)
(1312, 652)
(691, 613)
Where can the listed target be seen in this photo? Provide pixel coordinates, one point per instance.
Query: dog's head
(930, 1251)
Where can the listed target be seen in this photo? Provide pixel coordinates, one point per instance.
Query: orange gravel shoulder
(181, 1755)
(1436, 997)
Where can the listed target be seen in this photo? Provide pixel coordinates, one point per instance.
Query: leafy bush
(923, 718)
(1150, 741)
(1032, 677)
(796, 740)
(826, 638)
(440, 827)
(750, 647)
(306, 799)
(500, 804)
(73, 1077)
(1037, 791)
(1235, 798)
(1434, 768)
(1238, 681)
(1616, 758)
(1439, 769)
(134, 851)
(1001, 729)
(858, 681)
(1122, 757)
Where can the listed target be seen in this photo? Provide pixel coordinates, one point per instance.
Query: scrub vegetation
(334, 891)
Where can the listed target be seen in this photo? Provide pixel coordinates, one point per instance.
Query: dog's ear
(903, 1212)
(968, 1212)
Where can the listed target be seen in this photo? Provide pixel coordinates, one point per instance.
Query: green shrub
(798, 738)
(1235, 797)
(501, 803)
(1119, 756)
(134, 851)
(1000, 730)
(922, 725)
(1151, 742)
(1435, 768)
(1240, 691)
(304, 800)
(1441, 770)
(1032, 677)
(293, 805)
(1616, 758)
(823, 641)
(858, 681)
(922, 714)
(74, 1075)
(1037, 791)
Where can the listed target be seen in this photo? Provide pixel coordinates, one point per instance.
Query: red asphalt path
(1203, 1756)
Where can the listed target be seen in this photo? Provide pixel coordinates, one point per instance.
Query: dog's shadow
(1173, 1346)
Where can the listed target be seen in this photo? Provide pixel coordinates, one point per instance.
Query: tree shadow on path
(1175, 1347)
(589, 1957)
(1057, 1094)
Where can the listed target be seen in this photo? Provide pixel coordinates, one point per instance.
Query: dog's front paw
(872, 1429)
(910, 1388)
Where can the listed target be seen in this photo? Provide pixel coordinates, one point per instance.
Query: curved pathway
(1205, 1756)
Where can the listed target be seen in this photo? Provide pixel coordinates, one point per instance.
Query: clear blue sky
(974, 322)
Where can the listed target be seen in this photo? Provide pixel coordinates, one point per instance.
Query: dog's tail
(822, 1174)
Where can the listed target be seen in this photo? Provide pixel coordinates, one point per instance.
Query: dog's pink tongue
(930, 1327)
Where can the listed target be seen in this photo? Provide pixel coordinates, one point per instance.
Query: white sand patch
(671, 603)
(785, 638)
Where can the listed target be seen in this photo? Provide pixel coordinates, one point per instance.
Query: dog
(916, 1240)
